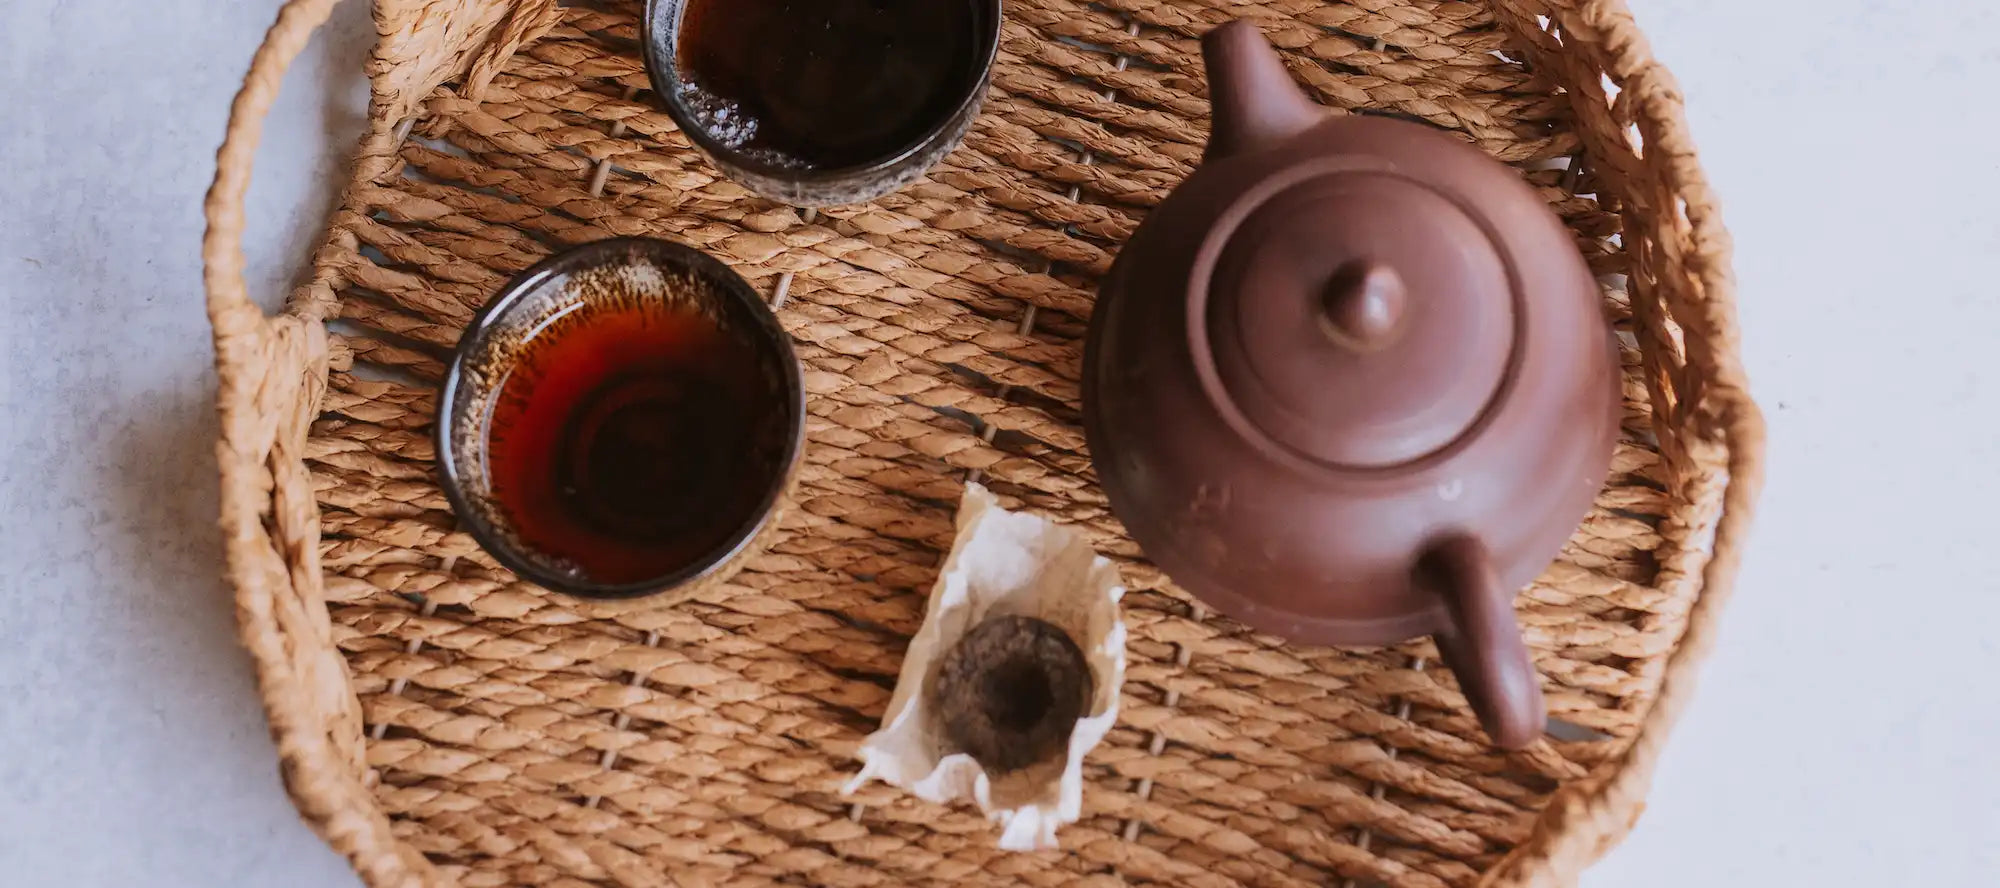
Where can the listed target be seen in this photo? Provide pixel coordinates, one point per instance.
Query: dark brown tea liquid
(630, 442)
(827, 84)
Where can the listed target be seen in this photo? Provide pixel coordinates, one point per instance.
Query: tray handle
(268, 514)
(229, 307)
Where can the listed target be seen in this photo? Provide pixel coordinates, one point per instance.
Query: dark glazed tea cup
(621, 420)
(823, 103)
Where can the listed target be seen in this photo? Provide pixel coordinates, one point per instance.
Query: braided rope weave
(439, 722)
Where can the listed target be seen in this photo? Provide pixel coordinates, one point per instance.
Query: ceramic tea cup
(623, 419)
(824, 103)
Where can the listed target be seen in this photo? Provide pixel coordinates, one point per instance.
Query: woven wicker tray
(440, 722)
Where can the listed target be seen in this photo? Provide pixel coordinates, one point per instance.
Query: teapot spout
(1253, 102)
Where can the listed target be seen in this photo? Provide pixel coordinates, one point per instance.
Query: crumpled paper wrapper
(1004, 564)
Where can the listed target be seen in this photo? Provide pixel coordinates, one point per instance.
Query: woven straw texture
(440, 722)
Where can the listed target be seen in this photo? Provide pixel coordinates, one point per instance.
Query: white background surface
(1848, 732)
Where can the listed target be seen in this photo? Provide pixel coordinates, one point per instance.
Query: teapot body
(1319, 552)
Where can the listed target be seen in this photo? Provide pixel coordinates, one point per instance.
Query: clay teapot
(1351, 383)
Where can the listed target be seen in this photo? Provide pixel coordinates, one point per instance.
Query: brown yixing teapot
(1351, 383)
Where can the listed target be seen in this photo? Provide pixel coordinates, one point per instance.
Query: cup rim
(770, 336)
(663, 70)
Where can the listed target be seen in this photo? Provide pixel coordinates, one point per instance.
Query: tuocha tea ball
(1012, 679)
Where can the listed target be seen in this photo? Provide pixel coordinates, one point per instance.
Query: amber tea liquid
(826, 84)
(630, 442)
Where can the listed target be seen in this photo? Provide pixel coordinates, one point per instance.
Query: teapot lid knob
(1363, 305)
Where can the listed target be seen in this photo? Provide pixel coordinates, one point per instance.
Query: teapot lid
(1355, 313)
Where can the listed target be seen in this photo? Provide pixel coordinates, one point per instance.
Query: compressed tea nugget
(1012, 679)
